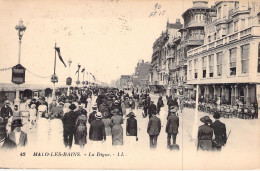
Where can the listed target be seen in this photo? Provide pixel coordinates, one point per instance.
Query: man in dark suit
(5, 142)
(69, 125)
(154, 129)
(219, 132)
(17, 135)
(6, 111)
(97, 129)
(152, 109)
(172, 127)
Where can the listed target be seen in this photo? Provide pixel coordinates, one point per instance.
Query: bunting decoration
(58, 51)
(83, 70)
(78, 69)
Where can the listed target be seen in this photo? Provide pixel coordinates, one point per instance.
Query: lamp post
(21, 29)
(69, 62)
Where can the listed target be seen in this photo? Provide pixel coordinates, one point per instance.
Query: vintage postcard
(130, 84)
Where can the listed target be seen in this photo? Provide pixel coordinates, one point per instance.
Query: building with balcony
(162, 53)
(192, 36)
(227, 65)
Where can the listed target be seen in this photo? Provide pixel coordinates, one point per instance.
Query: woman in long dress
(32, 118)
(81, 129)
(43, 128)
(117, 129)
(56, 131)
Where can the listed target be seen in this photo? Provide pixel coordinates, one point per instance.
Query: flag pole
(53, 92)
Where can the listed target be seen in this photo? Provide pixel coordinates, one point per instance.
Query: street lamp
(21, 29)
(68, 92)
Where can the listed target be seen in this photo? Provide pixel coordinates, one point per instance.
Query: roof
(175, 25)
(194, 8)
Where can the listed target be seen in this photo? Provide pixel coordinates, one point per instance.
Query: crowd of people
(105, 110)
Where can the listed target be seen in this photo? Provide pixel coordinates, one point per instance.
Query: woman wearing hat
(32, 118)
(43, 128)
(131, 128)
(117, 129)
(81, 129)
(108, 126)
(205, 134)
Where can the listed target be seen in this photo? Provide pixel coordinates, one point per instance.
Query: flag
(58, 51)
(83, 70)
(78, 69)
(93, 76)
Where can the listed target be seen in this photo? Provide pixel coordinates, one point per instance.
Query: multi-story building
(141, 75)
(227, 65)
(192, 36)
(126, 81)
(162, 53)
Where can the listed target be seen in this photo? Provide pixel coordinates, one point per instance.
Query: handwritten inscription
(158, 11)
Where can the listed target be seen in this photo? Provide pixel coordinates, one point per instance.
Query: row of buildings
(216, 48)
(138, 80)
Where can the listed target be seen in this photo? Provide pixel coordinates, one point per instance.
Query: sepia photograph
(130, 84)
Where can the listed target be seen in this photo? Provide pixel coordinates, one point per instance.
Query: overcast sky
(106, 37)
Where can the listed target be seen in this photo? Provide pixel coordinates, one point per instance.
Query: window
(219, 12)
(236, 4)
(209, 39)
(215, 36)
(235, 26)
(195, 68)
(225, 11)
(204, 67)
(211, 65)
(190, 69)
(258, 66)
(245, 58)
(233, 61)
(230, 31)
(243, 23)
(219, 63)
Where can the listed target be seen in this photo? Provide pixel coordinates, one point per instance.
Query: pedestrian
(219, 132)
(131, 128)
(6, 111)
(172, 127)
(56, 130)
(97, 133)
(92, 115)
(16, 113)
(42, 110)
(57, 111)
(107, 122)
(154, 129)
(117, 129)
(152, 109)
(69, 122)
(17, 135)
(205, 134)
(159, 104)
(43, 128)
(131, 104)
(81, 129)
(52, 104)
(146, 105)
(5, 143)
(32, 116)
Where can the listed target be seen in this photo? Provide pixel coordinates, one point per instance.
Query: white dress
(89, 106)
(56, 133)
(43, 132)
